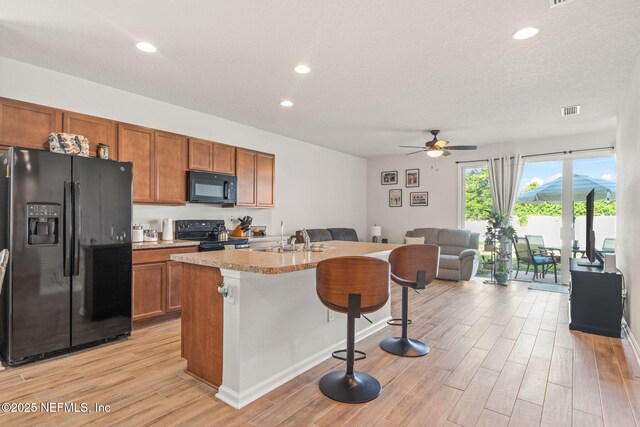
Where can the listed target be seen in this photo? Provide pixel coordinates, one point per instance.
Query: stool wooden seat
(354, 286)
(412, 266)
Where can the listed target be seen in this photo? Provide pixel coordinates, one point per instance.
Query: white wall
(315, 186)
(440, 177)
(628, 202)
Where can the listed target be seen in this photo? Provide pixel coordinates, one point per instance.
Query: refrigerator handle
(68, 226)
(76, 228)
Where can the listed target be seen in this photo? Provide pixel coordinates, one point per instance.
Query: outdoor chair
(541, 261)
(537, 246)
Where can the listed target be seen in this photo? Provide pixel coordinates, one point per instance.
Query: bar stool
(354, 286)
(412, 266)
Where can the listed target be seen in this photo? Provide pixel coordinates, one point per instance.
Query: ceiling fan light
(434, 153)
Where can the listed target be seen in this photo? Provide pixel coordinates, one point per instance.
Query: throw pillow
(414, 240)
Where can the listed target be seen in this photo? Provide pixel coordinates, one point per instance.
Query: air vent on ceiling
(554, 3)
(573, 110)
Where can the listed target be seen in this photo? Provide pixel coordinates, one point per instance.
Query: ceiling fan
(438, 147)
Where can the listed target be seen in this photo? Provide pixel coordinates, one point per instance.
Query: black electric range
(207, 231)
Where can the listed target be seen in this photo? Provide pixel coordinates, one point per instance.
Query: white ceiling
(381, 70)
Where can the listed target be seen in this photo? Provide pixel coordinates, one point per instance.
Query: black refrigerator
(66, 221)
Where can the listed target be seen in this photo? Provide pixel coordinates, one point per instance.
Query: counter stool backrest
(336, 278)
(407, 260)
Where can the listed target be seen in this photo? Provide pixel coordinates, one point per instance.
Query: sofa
(326, 234)
(459, 255)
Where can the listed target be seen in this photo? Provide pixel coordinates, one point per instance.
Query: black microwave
(207, 187)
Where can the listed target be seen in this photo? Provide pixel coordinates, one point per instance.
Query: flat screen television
(592, 253)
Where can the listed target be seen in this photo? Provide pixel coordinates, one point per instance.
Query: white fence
(549, 228)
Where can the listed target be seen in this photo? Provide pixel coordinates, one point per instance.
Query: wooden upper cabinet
(246, 173)
(212, 156)
(27, 125)
(200, 155)
(224, 159)
(170, 168)
(96, 129)
(136, 144)
(265, 176)
(256, 178)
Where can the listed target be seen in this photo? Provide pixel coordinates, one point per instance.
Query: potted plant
(487, 264)
(500, 233)
(494, 223)
(503, 272)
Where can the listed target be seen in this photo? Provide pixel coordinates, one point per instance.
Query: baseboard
(239, 400)
(632, 340)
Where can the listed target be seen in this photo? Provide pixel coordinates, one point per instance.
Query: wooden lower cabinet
(202, 324)
(175, 273)
(157, 284)
(149, 284)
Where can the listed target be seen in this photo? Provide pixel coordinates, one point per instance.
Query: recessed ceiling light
(286, 103)
(525, 33)
(146, 47)
(302, 69)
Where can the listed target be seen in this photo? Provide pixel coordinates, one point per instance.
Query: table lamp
(375, 231)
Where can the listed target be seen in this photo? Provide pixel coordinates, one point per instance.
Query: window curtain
(504, 179)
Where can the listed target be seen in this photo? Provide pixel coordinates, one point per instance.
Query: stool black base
(356, 388)
(404, 347)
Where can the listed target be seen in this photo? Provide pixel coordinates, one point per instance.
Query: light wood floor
(499, 356)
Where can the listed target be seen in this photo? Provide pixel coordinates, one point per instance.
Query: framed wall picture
(389, 178)
(419, 199)
(395, 198)
(412, 178)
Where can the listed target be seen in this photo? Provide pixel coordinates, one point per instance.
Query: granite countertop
(278, 263)
(265, 238)
(162, 244)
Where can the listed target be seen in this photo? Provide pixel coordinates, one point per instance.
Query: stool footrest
(398, 322)
(362, 354)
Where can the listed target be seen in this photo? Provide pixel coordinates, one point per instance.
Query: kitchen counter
(162, 244)
(278, 263)
(270, 326)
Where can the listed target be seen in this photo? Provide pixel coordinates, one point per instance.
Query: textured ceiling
(381, 70)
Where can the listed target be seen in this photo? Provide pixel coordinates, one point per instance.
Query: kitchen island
(271, 326)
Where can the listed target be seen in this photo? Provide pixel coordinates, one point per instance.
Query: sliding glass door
(549, 211)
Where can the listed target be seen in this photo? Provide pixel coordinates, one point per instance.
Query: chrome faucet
(307, 240)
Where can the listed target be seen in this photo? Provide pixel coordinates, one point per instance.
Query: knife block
(237, 232)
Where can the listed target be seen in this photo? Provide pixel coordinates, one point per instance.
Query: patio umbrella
(552, 191)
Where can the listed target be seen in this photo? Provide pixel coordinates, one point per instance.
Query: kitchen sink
(277, 249)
